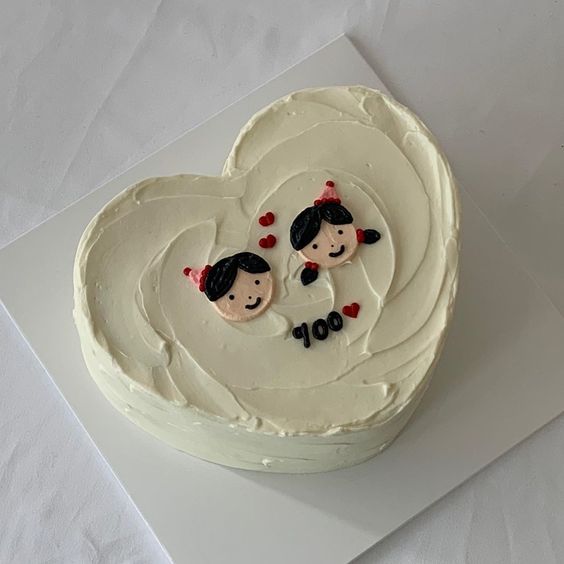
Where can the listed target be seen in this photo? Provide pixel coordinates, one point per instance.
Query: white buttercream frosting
(242, 393)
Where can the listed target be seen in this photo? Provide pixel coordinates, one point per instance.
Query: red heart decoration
(267, 242)
(266, 219)
(351, 310)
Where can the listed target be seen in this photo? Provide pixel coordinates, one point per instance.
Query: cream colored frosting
(248, 394)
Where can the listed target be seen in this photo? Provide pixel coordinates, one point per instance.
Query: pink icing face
(332, 246)
(248, 297)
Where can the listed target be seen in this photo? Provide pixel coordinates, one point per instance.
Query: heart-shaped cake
(286, 315)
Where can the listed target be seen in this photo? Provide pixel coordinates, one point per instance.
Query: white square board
(499, 380)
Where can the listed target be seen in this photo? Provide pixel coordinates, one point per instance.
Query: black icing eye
(314, 246)
(257, 282)
(231, 297)
(340, 232)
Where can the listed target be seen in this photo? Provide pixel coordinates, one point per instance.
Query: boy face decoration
(325, 236)
(240, 286)
(248, 297)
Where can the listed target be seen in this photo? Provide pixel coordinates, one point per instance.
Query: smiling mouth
(255, 305)
(338, 253)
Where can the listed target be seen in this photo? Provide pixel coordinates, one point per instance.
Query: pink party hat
(328, 195)
(198, 275)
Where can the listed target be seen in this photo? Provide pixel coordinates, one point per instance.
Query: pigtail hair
(371, 236)
(368, 236)
(309, 273)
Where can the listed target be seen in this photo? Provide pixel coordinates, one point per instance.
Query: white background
(89, 88)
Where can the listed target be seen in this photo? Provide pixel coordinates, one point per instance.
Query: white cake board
(499, 380)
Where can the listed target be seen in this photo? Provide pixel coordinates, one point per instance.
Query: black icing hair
(307, 224)
(222, 274)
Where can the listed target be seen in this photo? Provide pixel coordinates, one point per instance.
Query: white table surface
(89, 88)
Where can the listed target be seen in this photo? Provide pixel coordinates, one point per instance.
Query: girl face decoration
(240, 286)
(324, 234)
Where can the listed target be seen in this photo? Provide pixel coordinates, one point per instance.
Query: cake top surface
(305, 290)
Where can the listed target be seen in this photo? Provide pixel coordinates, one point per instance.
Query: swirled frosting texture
(162, 354)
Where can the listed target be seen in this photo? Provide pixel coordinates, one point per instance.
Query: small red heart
(351, 310)
(266, 219)
(267, 242)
